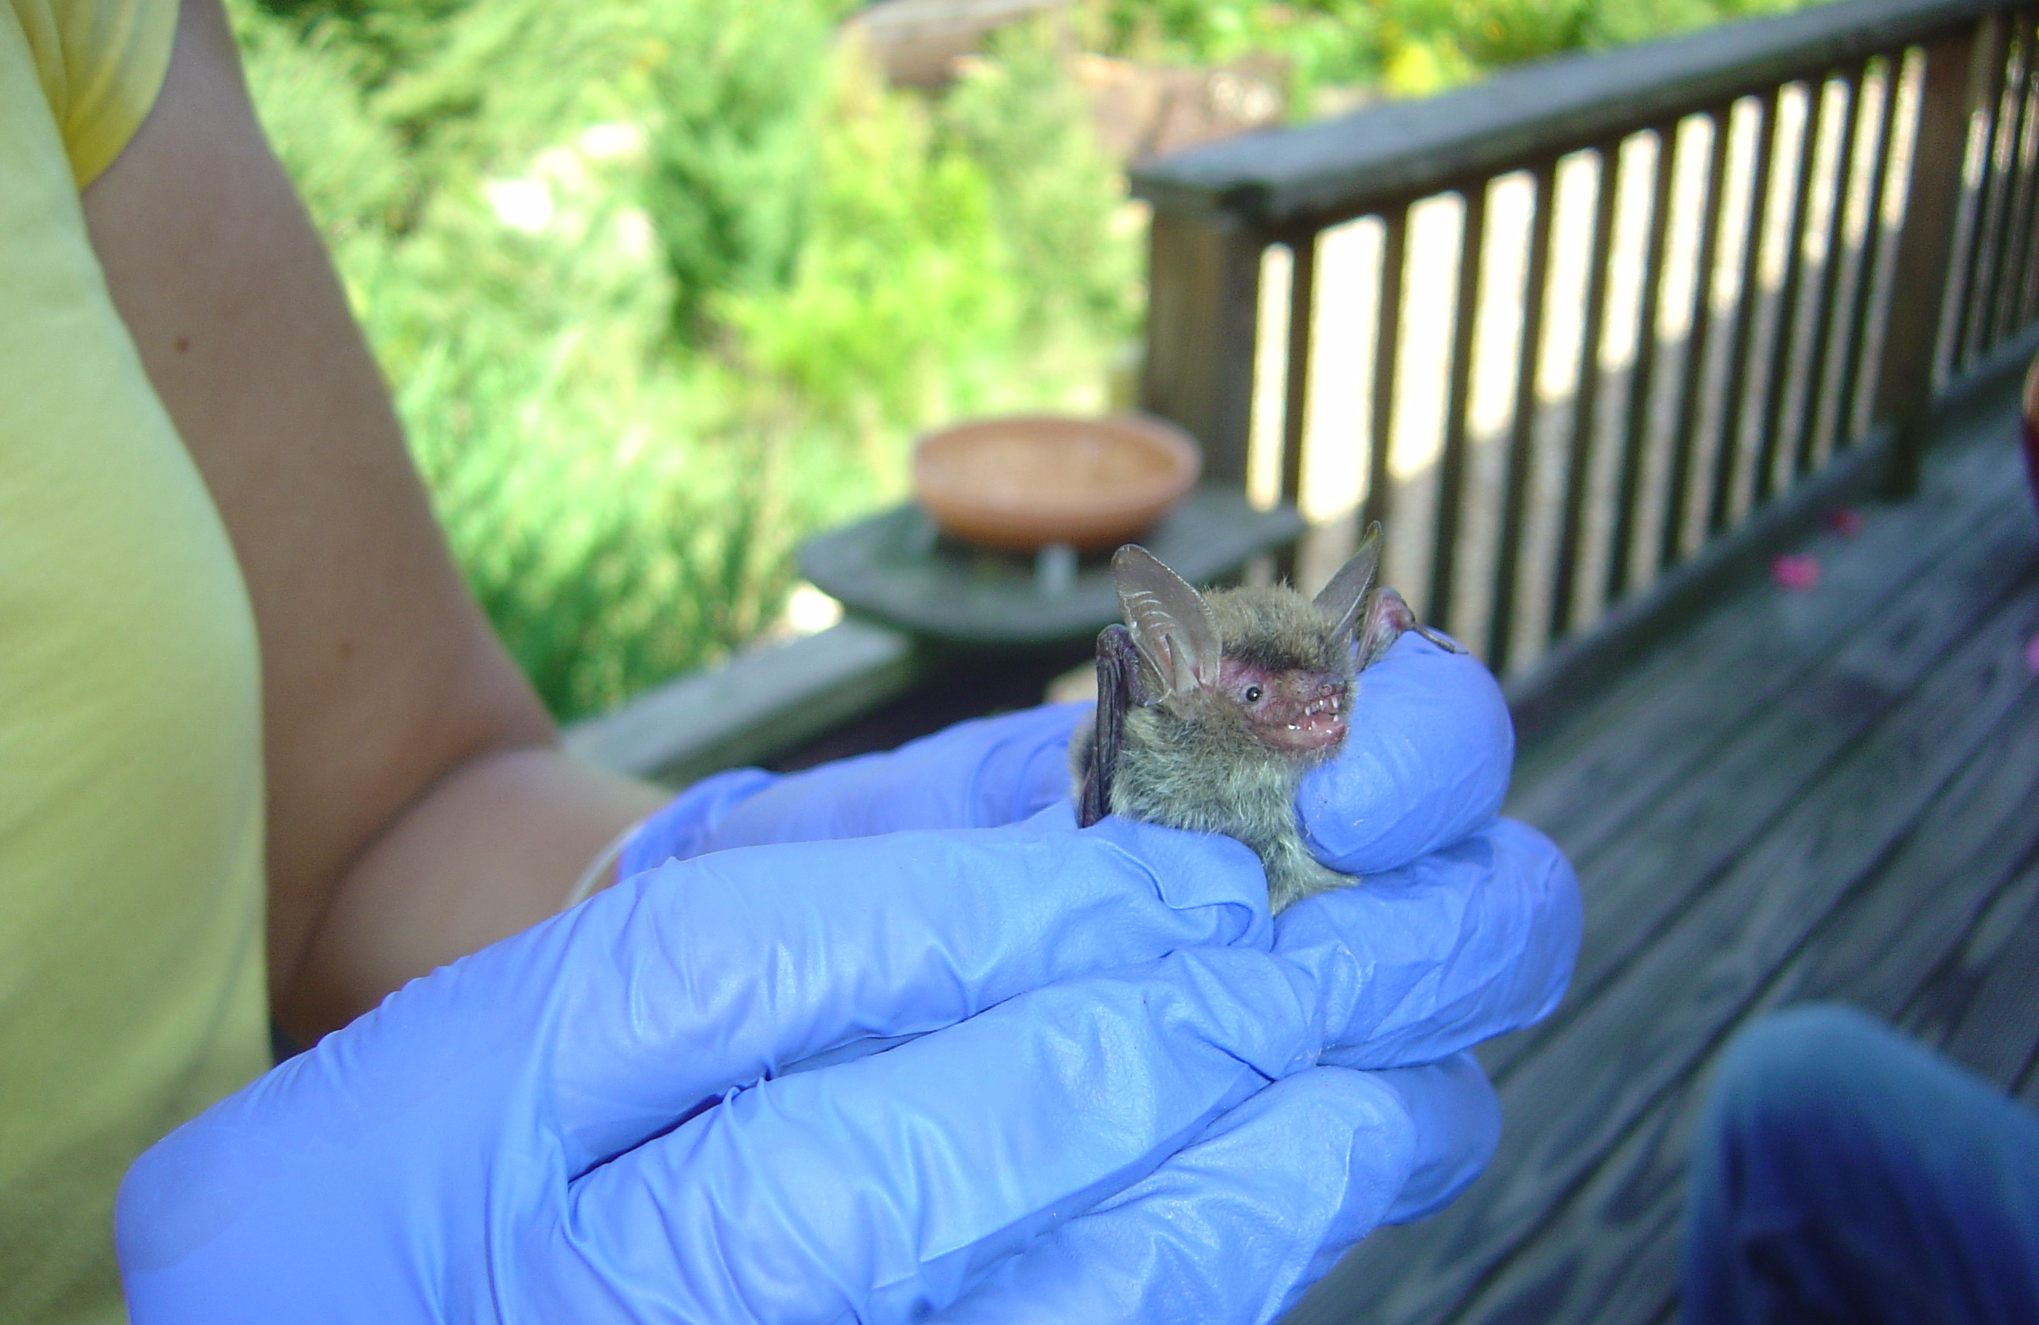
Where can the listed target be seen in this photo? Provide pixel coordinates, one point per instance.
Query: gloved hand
(615, 1116)
(1425, 764)
(1406, 970)
(593, 1121)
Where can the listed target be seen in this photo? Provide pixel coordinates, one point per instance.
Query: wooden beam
(1438, 606)
(1642, 378)
(1354, 164)
(1925, 246)
(1380, 479)
(1586, 399)
(1813, 405)
(1522, 430)
(755, 707)
(1203, 328)
(1693, 383)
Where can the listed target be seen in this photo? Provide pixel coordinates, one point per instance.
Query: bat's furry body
(1193, 761)
(1211, 707)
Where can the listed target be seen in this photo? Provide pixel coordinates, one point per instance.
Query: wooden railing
(1596, 332)
(1481, 320)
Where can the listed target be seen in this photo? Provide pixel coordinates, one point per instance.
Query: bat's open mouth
(1319, 725)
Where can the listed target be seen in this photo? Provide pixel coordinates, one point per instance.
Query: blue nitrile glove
(1407, 970)
(1425, 764)
(976, 774)
(1240, 1222)
(1426, 761)
(589, 1122)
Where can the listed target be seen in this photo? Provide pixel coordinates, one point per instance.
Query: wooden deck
(1824, 794)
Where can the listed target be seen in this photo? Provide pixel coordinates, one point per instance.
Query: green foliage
(737, 93)
(661, 289)
(1054, 196)
(1643, 20)
(1411, 47)
(349, 167)
(1325, 43)
(964, 255)
(903, 281)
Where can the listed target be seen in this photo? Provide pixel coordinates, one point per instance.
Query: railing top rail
(1346, 166)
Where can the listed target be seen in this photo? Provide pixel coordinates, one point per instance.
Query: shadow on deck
(1823, 794)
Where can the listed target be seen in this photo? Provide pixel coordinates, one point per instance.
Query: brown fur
(1191, 761)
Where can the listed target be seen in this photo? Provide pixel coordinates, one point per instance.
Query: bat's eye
(1253, 694)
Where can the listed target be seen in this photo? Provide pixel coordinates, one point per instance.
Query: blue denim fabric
(1845, 1173)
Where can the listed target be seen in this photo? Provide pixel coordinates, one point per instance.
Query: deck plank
(1981, 1008)
(1611, 1253)
(1617, 1055)
(1645, 875)
(1648, 732)
(1821, 795)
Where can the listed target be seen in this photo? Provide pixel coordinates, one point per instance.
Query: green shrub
(1055, 198)
(1410, 47)
(349, 167)
(736, 96)
(903, 284)
(661, 289)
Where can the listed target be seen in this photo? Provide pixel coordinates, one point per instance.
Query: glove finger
(1239, 1223)
(853, 941)
(978, 774)
(1426, 763)
(1460, 946)
(878, 1188)
(1458, 1126)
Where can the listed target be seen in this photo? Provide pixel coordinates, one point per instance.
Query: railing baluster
(1904, 373)
(1812, 408)
(1296, 400)
(1635, 436)
(1522, 433)
(1451, 466)
(2025, 301)
(1967, 322)
(2018, 181)
(1203, 329)
(1685, 440)
(1386, 364)
(1728, 458)
(1852, 330)
(1869, 261)
(1586, 398)
(2026, 307)
(1777, 383)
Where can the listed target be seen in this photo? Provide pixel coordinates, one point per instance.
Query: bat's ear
(1171, 624)
(1342, 598)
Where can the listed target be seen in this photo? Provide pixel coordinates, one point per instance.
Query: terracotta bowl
(1028, 481)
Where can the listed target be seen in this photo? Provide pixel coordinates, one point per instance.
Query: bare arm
(418, 805)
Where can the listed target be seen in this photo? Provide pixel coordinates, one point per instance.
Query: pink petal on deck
(1796, 572)
(2032, 654)
(1845, 520)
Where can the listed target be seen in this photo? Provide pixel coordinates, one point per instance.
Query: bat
(1212, 706)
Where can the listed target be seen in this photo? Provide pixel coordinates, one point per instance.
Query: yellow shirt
(131, 980)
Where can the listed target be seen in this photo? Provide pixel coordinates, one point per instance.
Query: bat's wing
(1386, 619)
(1119, 687)
(1342, 599)
(1168, 621)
